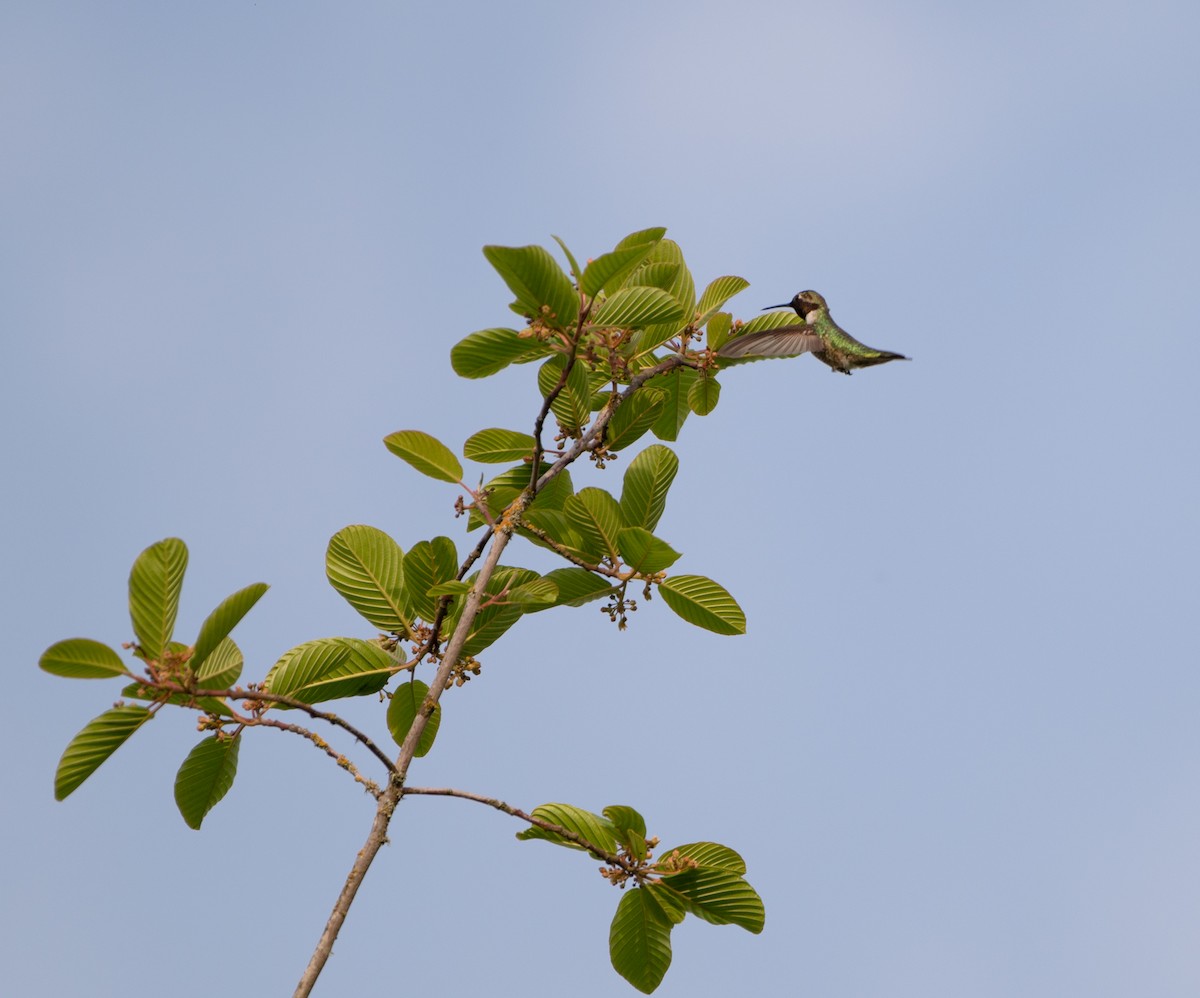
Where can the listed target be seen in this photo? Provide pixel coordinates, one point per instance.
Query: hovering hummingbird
(818, 334)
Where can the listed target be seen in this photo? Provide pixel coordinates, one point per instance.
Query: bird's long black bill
(786, 304)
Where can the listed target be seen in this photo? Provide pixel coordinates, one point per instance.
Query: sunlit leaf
(633, 417)
(154, 586)
(425, 453)
(496, 446)
(637, 307)
(716, 331)
(367, 568)
(532, 274)
(597, 517)
(676, 384)
(224, 619)
(643, 552)
(490, 350)
(572, 405)
(711, 854)
(577, 586)
(329, 668)
(608, 270)
(426, 565)
(81, 658)
(647, 480)
(99, 739)
(540, 594)
(598, 831)
(702, 602)
(703, 395)
(718, 292)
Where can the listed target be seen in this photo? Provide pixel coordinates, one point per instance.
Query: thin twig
(609, 857)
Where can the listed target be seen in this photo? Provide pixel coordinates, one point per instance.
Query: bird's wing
(786, 341)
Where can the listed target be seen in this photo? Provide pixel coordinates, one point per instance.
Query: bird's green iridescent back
(843, 352)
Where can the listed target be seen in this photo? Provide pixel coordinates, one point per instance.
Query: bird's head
(804, 302)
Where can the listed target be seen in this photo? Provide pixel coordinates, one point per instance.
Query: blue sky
(957, 747)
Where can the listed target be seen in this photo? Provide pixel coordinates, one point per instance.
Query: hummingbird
(818, 334)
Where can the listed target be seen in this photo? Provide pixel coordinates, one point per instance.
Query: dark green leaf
(454, 587)
(643, 552)
(222, 620)
(493, 620)
(425, 453)
(81, 658)
(647, 480)
(154, 586)
(205, 777)
(639, 941)
(719, 897)
(507, 485)
(631, 828)
(99, 739)
(367, 568)
(682, 288)
(402, 711)
(576, 273)
(540, 594)
(532, 274)
(491, 350)
(495, 446)
(702, 602)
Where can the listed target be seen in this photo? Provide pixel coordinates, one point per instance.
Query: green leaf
(718, 292)
(716, 331)
(490, 350)
(221, 668)
(609, 270)
(572, 405)
(677, 384)
(631, 828)
(702, 602)
(639, 940)
(633, 417)
(99, 739)
(596, 830)
(647, 480)
(427, 564)
(577, 586)
(555, 525)
(636, 308)
(711, 854)
(719, 897)
(205, 777)
(425, 453)
(224, 619)
(154, 586)
(330, 668)
(703, 395)
(672, 905)
(643, 552)
(81, 658)
(654, 275)
(507, 485)
(495, 446)
(454, 587)
(682, 288)
(402, 712)
(597, 518)
(492, 621)
(540, 594)
(366, 567)
(575, 271)
(532, 274)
